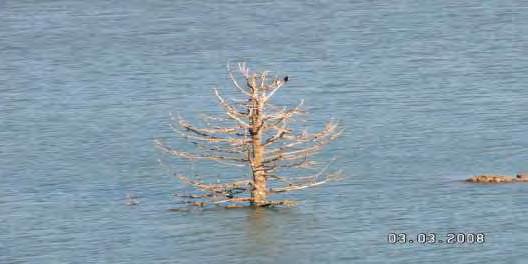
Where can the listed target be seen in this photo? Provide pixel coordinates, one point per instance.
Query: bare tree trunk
(259, 188)
(260, 139)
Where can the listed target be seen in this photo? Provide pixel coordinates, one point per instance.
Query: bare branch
(281, 131)
(190, 132)
(222, 150)
(304, 163)
(276, 85)
(234, 200)
(288, 152)
(231, 111)
(241, 186)
(209, 131)
(307, 184)
(263, 77)
(244, 70)
(284, 113)
(235, 83)
(330, 133)
(222, 159)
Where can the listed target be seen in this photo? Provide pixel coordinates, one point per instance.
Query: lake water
(430, 93)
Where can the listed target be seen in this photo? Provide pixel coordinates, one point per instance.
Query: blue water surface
(430, 93)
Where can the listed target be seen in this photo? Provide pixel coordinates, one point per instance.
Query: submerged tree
(260, 137)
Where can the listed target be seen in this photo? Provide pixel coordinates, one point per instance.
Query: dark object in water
(286, 78)
(131, 200)
(523, 177)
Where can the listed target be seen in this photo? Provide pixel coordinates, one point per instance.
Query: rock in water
(491, 179)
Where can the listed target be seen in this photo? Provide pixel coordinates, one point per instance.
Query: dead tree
(260, 138)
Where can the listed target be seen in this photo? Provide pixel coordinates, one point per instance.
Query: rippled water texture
(430, 92)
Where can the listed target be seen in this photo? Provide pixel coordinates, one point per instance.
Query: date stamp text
(436, 238)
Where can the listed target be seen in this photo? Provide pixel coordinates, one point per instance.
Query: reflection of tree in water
(268, 232)
(294, 235)
(263, 237)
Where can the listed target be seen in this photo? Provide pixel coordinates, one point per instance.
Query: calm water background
(431, 92)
